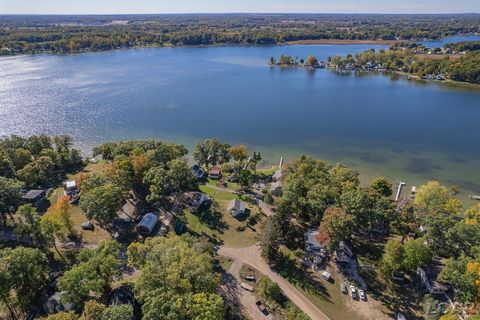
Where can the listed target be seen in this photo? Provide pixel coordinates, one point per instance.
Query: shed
(148, 223)
(236, 207)
(326, 275)
(34, 196)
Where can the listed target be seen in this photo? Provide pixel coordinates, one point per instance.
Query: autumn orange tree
(338, 225)
(57, 225)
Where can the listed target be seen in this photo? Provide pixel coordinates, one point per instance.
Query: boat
(475, 197)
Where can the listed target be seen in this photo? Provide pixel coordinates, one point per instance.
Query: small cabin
(236, 207)
(214, 173)
(34, 197)
(147, 224)
(198, 171)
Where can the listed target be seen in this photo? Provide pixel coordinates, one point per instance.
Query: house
(278, 175)
(236, 207)
(316, 253)
(214, 173)
(276, 188)
(429, 279)
(197, 171)
(147, 224)
(35, 197)
(196, 201)
(344, 252)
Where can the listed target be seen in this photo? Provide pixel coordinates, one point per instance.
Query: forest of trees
(465, 68)
(57, 34)
(177, 279)
(330, 197)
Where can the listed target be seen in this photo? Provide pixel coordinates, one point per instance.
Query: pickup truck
(261, 307)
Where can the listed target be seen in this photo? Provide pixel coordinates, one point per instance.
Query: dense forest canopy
(465, 68)
(63, 34)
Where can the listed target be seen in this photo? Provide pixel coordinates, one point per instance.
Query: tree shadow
(213, 219)
(300, 276)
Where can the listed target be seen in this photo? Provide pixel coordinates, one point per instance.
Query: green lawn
(218, 224)
(78, 216)
(229, 185)
(217, 194)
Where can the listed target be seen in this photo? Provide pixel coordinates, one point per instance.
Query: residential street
(251, 256)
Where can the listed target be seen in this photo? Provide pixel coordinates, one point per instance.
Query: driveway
(246, 298)
(252, 256)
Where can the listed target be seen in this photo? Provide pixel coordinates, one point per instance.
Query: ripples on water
(377, 123)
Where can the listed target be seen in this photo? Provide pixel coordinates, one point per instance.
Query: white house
(236, 207)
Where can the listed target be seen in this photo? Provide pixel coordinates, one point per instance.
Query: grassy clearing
(229, 185)
(267, 171)
(219, 225)
(217, 194)
(78, 216)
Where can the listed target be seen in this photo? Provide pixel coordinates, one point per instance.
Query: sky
(231, 6)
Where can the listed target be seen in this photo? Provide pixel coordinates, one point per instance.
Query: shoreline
(169, 45)
(340, 42)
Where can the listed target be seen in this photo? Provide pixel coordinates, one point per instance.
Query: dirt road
(251, 256)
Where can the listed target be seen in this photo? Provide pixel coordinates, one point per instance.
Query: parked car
(87, 225)
(250, 277)
(343, 288)
(362, 295)
(261, 307)
(353, 292)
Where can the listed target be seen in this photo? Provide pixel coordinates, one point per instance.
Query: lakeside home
(214, 173)
(236, 208)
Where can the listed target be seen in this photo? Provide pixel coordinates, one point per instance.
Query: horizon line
(239, 13)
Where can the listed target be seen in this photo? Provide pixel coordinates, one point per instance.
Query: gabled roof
(236, 205)
(33, 194)
(214, 170)
(149, 221)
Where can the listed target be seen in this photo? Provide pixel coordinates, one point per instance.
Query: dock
(399, 191)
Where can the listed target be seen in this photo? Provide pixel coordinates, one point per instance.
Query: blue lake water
(379, 124)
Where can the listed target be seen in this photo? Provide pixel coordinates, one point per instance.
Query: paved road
(252, 257)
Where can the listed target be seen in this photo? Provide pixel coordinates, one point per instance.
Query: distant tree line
(24, 34)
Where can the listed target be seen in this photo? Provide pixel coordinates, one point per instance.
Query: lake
(379, 124)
